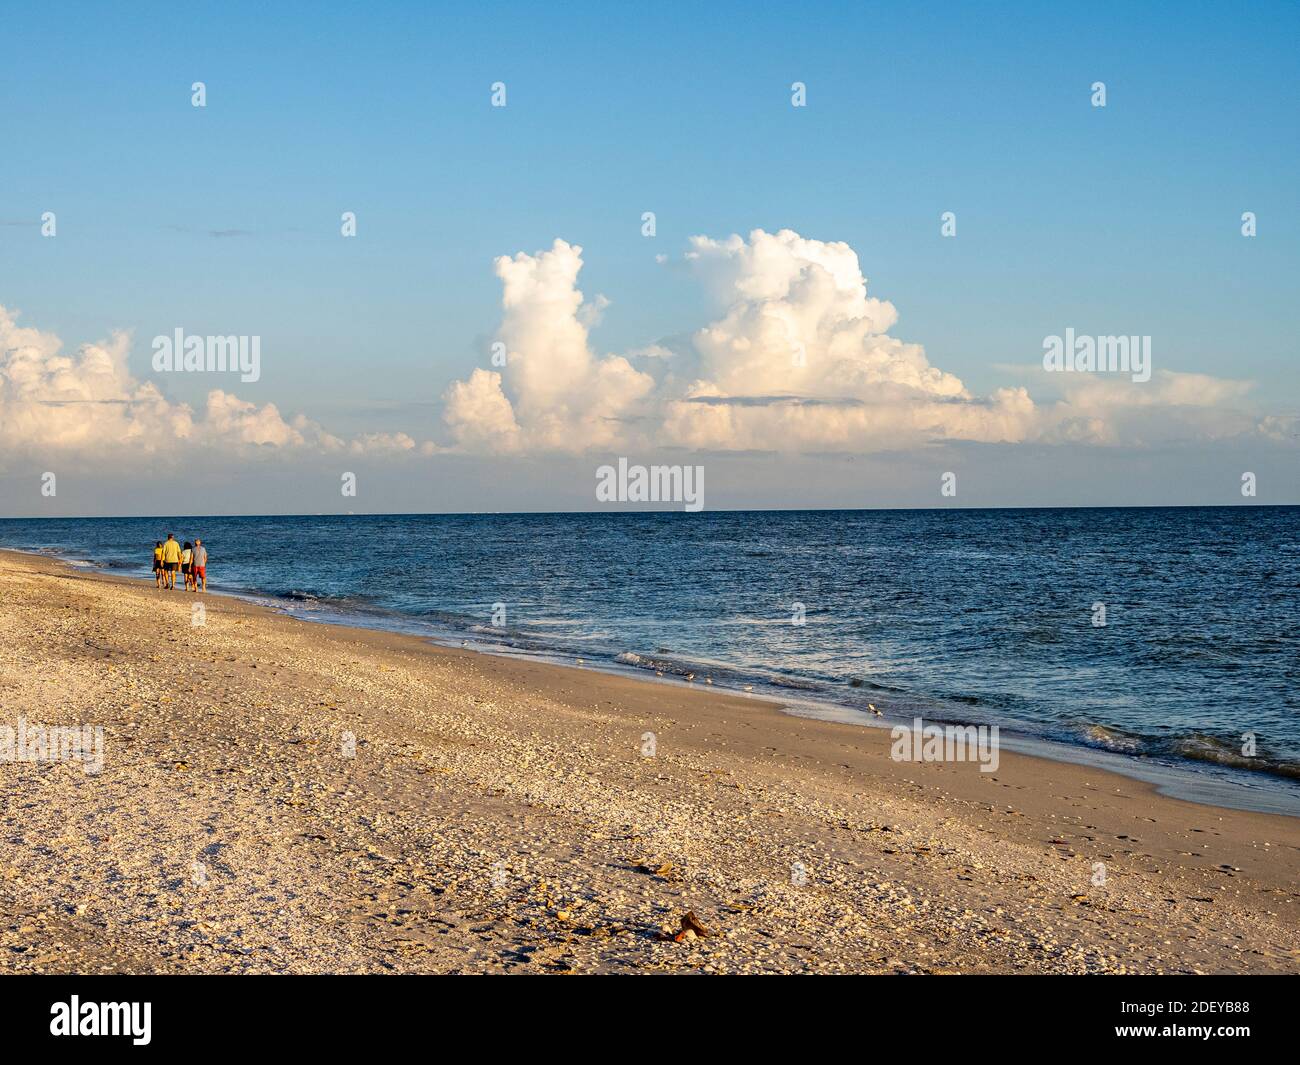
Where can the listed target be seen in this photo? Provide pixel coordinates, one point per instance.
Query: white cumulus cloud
(798, 358)
(554, 393)
(87, 404)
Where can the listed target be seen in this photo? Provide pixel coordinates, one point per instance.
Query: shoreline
(1202, 781)
(502, 815)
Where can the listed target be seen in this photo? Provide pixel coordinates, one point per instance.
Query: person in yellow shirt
(157, 564)
(171, 560)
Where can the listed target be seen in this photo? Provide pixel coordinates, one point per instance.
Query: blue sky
(1122, 219)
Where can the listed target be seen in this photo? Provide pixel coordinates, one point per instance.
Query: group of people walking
(191, 559)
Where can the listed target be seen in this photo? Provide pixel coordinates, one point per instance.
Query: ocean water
(983, 616)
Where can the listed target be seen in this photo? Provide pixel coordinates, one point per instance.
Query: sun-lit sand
(280, 796)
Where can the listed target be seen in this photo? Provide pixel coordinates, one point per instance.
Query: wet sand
(283, 796)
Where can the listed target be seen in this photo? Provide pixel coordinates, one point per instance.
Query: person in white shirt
(199, 564)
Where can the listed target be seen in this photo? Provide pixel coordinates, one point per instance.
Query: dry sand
(500, 816)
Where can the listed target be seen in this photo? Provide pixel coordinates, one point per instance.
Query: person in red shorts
(199, 563)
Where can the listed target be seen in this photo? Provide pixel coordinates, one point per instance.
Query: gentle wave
(1197, 747)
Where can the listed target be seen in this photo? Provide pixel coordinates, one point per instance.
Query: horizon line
(662, 511)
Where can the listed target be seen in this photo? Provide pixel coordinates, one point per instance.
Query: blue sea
(980, 616)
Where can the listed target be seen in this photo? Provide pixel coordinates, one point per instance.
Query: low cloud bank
(797, 358)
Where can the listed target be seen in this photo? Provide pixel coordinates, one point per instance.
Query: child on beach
(158, 563)
(187, 556)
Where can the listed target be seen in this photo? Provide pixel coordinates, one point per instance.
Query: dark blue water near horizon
(983, 616)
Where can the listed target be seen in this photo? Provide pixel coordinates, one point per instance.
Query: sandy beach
(279, 796)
